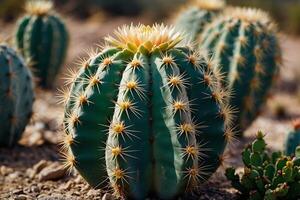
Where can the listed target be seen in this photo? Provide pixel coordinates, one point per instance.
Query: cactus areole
(42, 38)
(246, 50)
(16, 96)
(147, 115)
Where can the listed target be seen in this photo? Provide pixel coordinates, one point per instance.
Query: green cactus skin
(293, 138)
(247, 52)
(16, 96)
(267, 177)
(42, 39)
(143, 116)
(193, 20)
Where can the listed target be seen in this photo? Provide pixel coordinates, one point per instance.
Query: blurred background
(286, 12)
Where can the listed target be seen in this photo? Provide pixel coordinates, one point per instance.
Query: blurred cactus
(193, 19)
(128, 115)
(43, 39)
(286, 13)
(247, 52)
(293, 138)
(265, 177)
(16, 96)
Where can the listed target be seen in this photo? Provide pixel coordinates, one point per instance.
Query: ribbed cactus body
(247, 52)
(145, 117)
(43, 39)
(16, 96)
(193, 20)
(293, 138)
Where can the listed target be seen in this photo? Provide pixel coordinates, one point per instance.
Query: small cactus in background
(267, 177)
(246, 50)
(193, 19)
(293, 138)
(147, 115)
(16, 96)
(42, 38)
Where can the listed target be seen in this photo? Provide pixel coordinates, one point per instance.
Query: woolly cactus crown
(38, 7)
(136, 38)
(210, 5)
(247, 14)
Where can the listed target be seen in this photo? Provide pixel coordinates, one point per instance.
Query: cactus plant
(42, 38)
(193, 19)
(267, 177)
(146, 114)
(246, 50)
(16, 96)
(293, 138)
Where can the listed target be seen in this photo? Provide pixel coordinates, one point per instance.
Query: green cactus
(193, 19)
(16, 96)
(265, 177)
(146, 114)
(42, 38)
(293, 138)
(247, 52)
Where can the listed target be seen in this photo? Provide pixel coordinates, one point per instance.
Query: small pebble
(52, 172)
(5, 170)
(35, 189)
(17, 191)
(21, 197)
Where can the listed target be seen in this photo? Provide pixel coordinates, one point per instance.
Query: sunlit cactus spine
(147, 115)
(42, 38)
(265, 177)
(16, 96)
(193, 19)
(293, 138)
(246, 49)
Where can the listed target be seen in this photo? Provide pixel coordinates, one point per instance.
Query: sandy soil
(32, 170)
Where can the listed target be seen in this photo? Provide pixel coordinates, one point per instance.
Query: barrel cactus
(266, 177)
(246, 50)
(293, 138)
(146, 114)
(42, 38)
(16, 96)
(194, 18)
